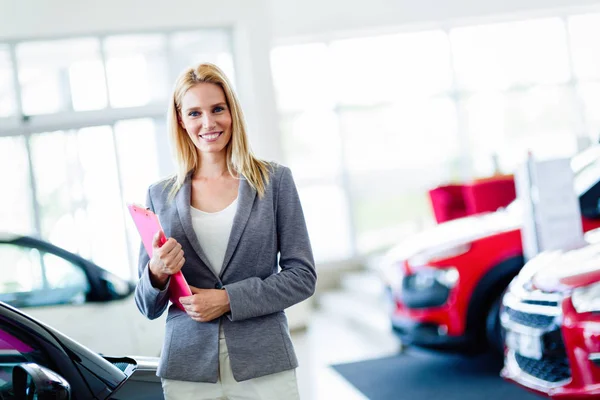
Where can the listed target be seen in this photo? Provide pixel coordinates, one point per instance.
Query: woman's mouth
(211, 136)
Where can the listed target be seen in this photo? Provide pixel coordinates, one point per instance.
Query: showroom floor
(350, 325)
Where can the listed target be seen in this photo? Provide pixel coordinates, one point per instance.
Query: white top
(213, 230)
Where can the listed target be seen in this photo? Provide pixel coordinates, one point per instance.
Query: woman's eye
(218, 109)
(193, 113)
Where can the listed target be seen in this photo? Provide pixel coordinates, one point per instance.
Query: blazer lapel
(246, 195)
(183, 202)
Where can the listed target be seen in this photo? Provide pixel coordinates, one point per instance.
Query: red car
(551, 313)
(446, 283)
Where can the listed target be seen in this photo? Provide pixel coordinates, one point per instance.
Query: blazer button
(218, 285)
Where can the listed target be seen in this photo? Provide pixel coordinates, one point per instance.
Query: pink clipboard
(147, 224)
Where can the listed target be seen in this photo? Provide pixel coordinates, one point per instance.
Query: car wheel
(493, 327)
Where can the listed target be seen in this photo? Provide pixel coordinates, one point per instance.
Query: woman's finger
(177, 257)
(186, 301)
(158, 239)
(176, 248)
(169, 245)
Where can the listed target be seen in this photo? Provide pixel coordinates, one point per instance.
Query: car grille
(549, 369)
(537, 321)
(546, 303)
(553, 367)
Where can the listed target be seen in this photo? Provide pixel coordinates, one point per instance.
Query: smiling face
(206, 117)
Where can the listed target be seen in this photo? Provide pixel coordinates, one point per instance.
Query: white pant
(282, 385)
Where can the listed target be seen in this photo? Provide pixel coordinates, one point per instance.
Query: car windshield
(586, 167)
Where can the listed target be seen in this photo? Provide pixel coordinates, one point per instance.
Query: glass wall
(109, 96)
(390, 116)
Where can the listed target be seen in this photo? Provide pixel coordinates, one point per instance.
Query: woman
(227, 216)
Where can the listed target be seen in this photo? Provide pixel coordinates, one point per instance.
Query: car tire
(493, 328)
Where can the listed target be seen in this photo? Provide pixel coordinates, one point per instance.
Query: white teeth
(210, 136)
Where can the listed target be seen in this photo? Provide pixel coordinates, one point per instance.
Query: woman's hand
(206, 304)
(166, 260)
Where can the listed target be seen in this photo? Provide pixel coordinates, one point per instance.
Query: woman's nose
(209, 121)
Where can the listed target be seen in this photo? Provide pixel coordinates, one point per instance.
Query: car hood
(456, 232)
(141, 383)
(564, 270)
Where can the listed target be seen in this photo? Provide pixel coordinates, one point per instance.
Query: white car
(75, 296)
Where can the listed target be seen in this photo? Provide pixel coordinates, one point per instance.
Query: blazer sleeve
(296, 281)
(151, 301)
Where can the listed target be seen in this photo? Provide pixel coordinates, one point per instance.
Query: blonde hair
(240, 160)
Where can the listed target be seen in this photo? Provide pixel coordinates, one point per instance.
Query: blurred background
(370, 104)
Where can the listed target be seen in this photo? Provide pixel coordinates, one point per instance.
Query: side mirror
(32, 381)
(116, 288)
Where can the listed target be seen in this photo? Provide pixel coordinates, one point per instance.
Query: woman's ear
(179, 121)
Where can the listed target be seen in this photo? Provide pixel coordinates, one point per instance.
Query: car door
(15, 350)
(22, 341)
(56, 291)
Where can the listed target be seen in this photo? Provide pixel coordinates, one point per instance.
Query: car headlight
(428, 287)
(426, 277)
(587, 298)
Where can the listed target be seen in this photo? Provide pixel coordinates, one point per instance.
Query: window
(77, 184)
(16, 201)
(364, 118)
(137, 156)
(312, 144)
(62, 274)
(382, 213)
(61, 75)
(94, 135)
(586, 68)
(138, 161)
(312, 136)
(500, 56)
(326, 212)
(400, 135)
(21, 269)
(583, 29)
(516, 101)
(590, 95)
(402, 113)
(8, 104)
(209, 45)
(30, 277)
(393, 155)
(301, 75)
(390, 67)
(137, 69)
(508, 125)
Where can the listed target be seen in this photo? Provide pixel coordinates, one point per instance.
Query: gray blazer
(256, 330)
